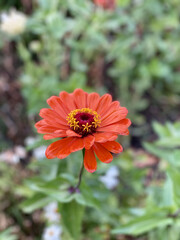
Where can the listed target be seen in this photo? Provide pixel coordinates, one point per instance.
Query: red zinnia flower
(83, 121)
(106, 4)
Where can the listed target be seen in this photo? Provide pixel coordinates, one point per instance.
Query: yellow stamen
(74, 123)
(86, 127)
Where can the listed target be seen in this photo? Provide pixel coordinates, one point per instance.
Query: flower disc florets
(83, 121)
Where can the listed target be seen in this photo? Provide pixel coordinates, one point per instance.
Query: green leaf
(175, 178)
(161, 130)
(143, 225)
(153, 149)
(36, 202)
(169, 134)
(168, 193)
(87, 197)
(8, 234)
(162, 196)
(57, 189)
(72, 215)
(169, 142)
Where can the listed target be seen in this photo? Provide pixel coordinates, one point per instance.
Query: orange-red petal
(119, 127)
(104, 103)
(68, 100)
(104, 136)
(115, 117)
(55, 135)
(53, 149)
(80, 98)
(52, 117)
(43, 127)
(90, 163)
(75, 144)
(88, 141)
(113, 146)
(56, 103)
(102, 153)
(93, 100)
(113, 107)
(62, 148)
(71, 133)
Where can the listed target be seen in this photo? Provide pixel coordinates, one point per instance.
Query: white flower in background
(110, 179)
(39, 152)
(20, 151)
(9, 156)
(35, 46)
(113, 171)
(30, 141)
(13, 23)
(52, 232)
(51, 212)
(13, 156)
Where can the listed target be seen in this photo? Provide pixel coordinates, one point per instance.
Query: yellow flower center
(83, 121)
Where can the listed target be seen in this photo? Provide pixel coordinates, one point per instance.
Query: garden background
(130, 49)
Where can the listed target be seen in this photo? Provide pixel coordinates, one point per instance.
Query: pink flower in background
(106, 4)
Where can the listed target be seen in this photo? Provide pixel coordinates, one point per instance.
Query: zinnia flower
(84, 121)
(106, 4)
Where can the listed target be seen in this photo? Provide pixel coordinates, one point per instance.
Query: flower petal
(53, 148)
(119, 127)
(103, 137)
(126, 133)
(88, 141)
(71, 133)
(52, 117)
(68, 100)
(55, 103)
(113, 107)
(80, 98)
(73, 145)
(62, 148)
(55, 135)
(102, 153)
(90, 163)
(43, 127)
(93, 100)
(104, 103)
(115, 117)
(113, 146)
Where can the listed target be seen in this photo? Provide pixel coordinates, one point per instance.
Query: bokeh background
(128, 48)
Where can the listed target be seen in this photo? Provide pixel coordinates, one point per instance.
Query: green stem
(80, 173)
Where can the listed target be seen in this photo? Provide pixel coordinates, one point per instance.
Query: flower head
(13, 23)
(106, 4)
(83, 121)
(52, 232)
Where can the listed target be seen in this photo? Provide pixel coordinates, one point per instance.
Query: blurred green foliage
(161, 212)
(7, 235)
(133, 53)
(145, 203)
